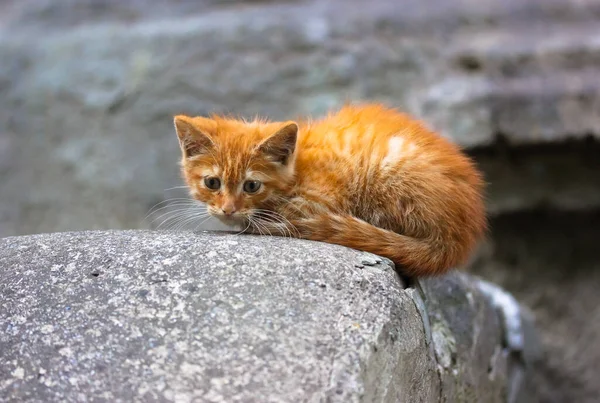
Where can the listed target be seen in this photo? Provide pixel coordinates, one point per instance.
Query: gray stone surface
(88, 88)
(160, 316)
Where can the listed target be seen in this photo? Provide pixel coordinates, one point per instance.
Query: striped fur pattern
(366, 176)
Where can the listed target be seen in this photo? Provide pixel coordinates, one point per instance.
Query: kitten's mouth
(234, 220)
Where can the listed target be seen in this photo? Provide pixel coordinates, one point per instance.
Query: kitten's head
(235, 167)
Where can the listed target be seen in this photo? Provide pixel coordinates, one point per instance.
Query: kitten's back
(390, 170)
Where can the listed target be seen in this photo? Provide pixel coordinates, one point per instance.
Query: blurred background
(88, 89)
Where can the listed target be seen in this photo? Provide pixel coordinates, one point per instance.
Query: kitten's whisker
(179, 215)
(255, 227)
(175, 201)
(267, 228)
(177, 204)
(287, 203)
(170, 216)
(280, 219)
(263, 226)
(174, 213)
(259, 227)
(182, 200)
(181, 204)
(174, 223)
(247, 226)
(171, 221)
(261, 218)
(182, 221)
(176, 187)
(251, 221)
(202, 222)
(276, 222)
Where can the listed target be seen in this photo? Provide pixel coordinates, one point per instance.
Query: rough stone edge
(522, 346)
(520, 338)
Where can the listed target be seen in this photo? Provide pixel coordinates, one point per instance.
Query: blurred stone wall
(88, 89)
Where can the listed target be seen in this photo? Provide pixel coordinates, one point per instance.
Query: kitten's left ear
(281, 145)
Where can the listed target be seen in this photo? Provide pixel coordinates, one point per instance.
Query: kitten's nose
(228, 209)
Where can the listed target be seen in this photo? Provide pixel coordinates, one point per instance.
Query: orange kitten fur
(366, 177)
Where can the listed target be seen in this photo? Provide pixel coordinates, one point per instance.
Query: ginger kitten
(366, 177)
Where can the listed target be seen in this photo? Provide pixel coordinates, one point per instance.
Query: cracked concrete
(157, 316)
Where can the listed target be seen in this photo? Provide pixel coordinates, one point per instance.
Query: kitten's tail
(412, 256)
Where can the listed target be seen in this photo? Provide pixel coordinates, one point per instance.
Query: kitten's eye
(252, 186)
(212, 183)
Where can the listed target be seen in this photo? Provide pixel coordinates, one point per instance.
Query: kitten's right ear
(194, 134)
(281, 145)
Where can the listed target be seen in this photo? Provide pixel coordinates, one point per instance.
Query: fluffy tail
(413, 257)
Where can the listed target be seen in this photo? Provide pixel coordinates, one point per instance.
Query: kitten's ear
(281, 145)
(194, 134)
